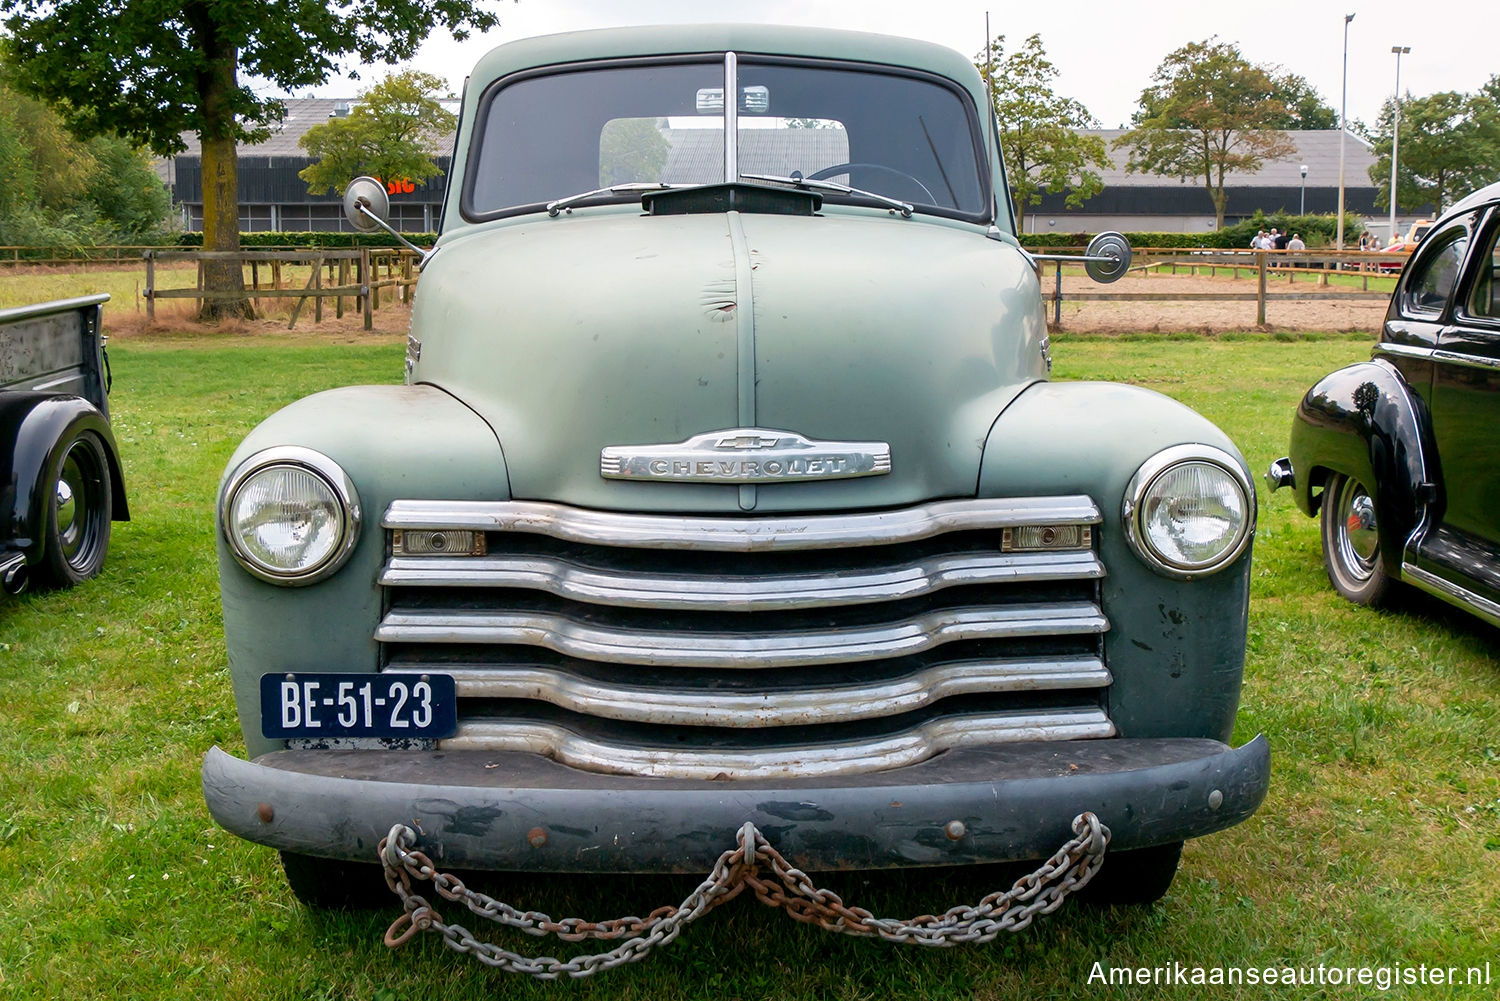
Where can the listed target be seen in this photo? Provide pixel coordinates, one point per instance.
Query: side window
(1484, 301)
(1431, 281)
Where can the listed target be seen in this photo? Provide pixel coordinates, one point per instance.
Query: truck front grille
(754, 647)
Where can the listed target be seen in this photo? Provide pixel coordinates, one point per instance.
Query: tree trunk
(1221, 201)
(221, 187)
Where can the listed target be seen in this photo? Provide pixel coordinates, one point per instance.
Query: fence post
(343, 279)
(364, 288)
(1057, 299)
(150, 288)
(1260, 291)
(318, 289)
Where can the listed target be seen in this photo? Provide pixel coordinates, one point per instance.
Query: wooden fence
(1267, 266)
(358, 274)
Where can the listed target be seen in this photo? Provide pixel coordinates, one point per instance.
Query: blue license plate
(358, 705)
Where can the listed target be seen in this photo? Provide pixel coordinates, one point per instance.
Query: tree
(152, 71)
(60, 190)
(632, 149)
(1210, 113)
(1039, 137)
(1449, 145)
(1305, 107)
(388, 135)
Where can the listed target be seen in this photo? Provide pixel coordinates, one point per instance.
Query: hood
(609, 328)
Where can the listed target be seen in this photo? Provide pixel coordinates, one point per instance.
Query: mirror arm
(422, 255)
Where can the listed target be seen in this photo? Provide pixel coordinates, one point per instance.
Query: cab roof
(743, 39)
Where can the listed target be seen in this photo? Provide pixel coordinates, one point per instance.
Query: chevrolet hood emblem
(745, 455)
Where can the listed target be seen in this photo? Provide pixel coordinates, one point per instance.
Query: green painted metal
(609, 328)
(1176, 648)
(393, 441)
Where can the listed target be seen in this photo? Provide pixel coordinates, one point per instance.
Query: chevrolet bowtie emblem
(745, 455)
(744, 441)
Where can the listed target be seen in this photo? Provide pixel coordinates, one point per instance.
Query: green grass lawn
(1379, 843)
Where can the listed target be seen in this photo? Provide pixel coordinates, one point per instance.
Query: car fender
(1366, 422)
(1175, 648)
(32, 425)
(394, 442)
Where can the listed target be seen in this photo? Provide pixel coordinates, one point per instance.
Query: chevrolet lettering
(746, 456)
(728, 500)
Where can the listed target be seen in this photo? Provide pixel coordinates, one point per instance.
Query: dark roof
(1318, 148)
(302, 113)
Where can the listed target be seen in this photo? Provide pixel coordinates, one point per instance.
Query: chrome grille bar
(733, 534)
(629, 645)
(578, 581)
(708, 705)
(620, 757)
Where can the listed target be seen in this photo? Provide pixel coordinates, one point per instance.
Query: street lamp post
(1343, 129)
(1399, 50)
(1302, 204)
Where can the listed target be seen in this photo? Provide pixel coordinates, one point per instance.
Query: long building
(1139, 202)
(273, 197)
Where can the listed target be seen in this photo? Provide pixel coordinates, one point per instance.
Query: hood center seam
(744, 319)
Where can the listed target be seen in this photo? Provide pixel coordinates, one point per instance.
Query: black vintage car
(1400, 454)
(60, 478)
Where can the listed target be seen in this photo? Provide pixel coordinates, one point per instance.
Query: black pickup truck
(60, 478)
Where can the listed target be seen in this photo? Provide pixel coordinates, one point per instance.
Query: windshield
(557, 135)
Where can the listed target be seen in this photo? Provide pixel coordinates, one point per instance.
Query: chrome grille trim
(734, 534)
(619, 645)
(908, 747)
(683, 591)
(706, 705)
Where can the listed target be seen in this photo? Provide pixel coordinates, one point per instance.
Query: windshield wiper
(905, 208)
(554, 207)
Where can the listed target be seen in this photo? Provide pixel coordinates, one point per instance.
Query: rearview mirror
(365, 197)
(1108, 257)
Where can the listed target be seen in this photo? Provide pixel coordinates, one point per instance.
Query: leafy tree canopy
(1039, 136)
(151, 70)
(1209, 113)
(1448, 145)
(61, 190)
(632, 149)
(389, 134)
(140, 68)
(1305, 107)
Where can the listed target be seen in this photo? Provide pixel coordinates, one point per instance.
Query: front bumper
(515, 811)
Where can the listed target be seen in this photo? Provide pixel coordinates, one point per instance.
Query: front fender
(394, 442)
(32, 425)
(1365, 422)
(1176, 648)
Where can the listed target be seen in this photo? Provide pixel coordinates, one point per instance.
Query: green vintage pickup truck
(727, 486)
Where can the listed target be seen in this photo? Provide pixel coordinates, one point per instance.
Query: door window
(1484, 301)
(1428, 285)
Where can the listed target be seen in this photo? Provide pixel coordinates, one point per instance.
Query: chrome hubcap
(67, 508)
(1358, 541)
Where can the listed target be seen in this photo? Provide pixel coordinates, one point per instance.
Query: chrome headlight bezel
(332, 476)
(1147, 476)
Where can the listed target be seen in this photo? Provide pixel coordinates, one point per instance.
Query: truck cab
(727, 484)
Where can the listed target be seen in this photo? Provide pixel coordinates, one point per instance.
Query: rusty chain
(752, 863)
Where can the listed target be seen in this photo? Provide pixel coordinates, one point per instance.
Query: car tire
(77, 513)
(336, 884)
(1138, 876)
(1351, 543)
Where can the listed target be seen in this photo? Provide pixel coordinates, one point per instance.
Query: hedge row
(1316, 231)
(275, 239)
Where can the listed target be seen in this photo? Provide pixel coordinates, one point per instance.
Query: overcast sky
(1105, 52)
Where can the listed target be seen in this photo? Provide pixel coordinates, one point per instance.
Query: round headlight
(1189, 510)
(290, 514)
